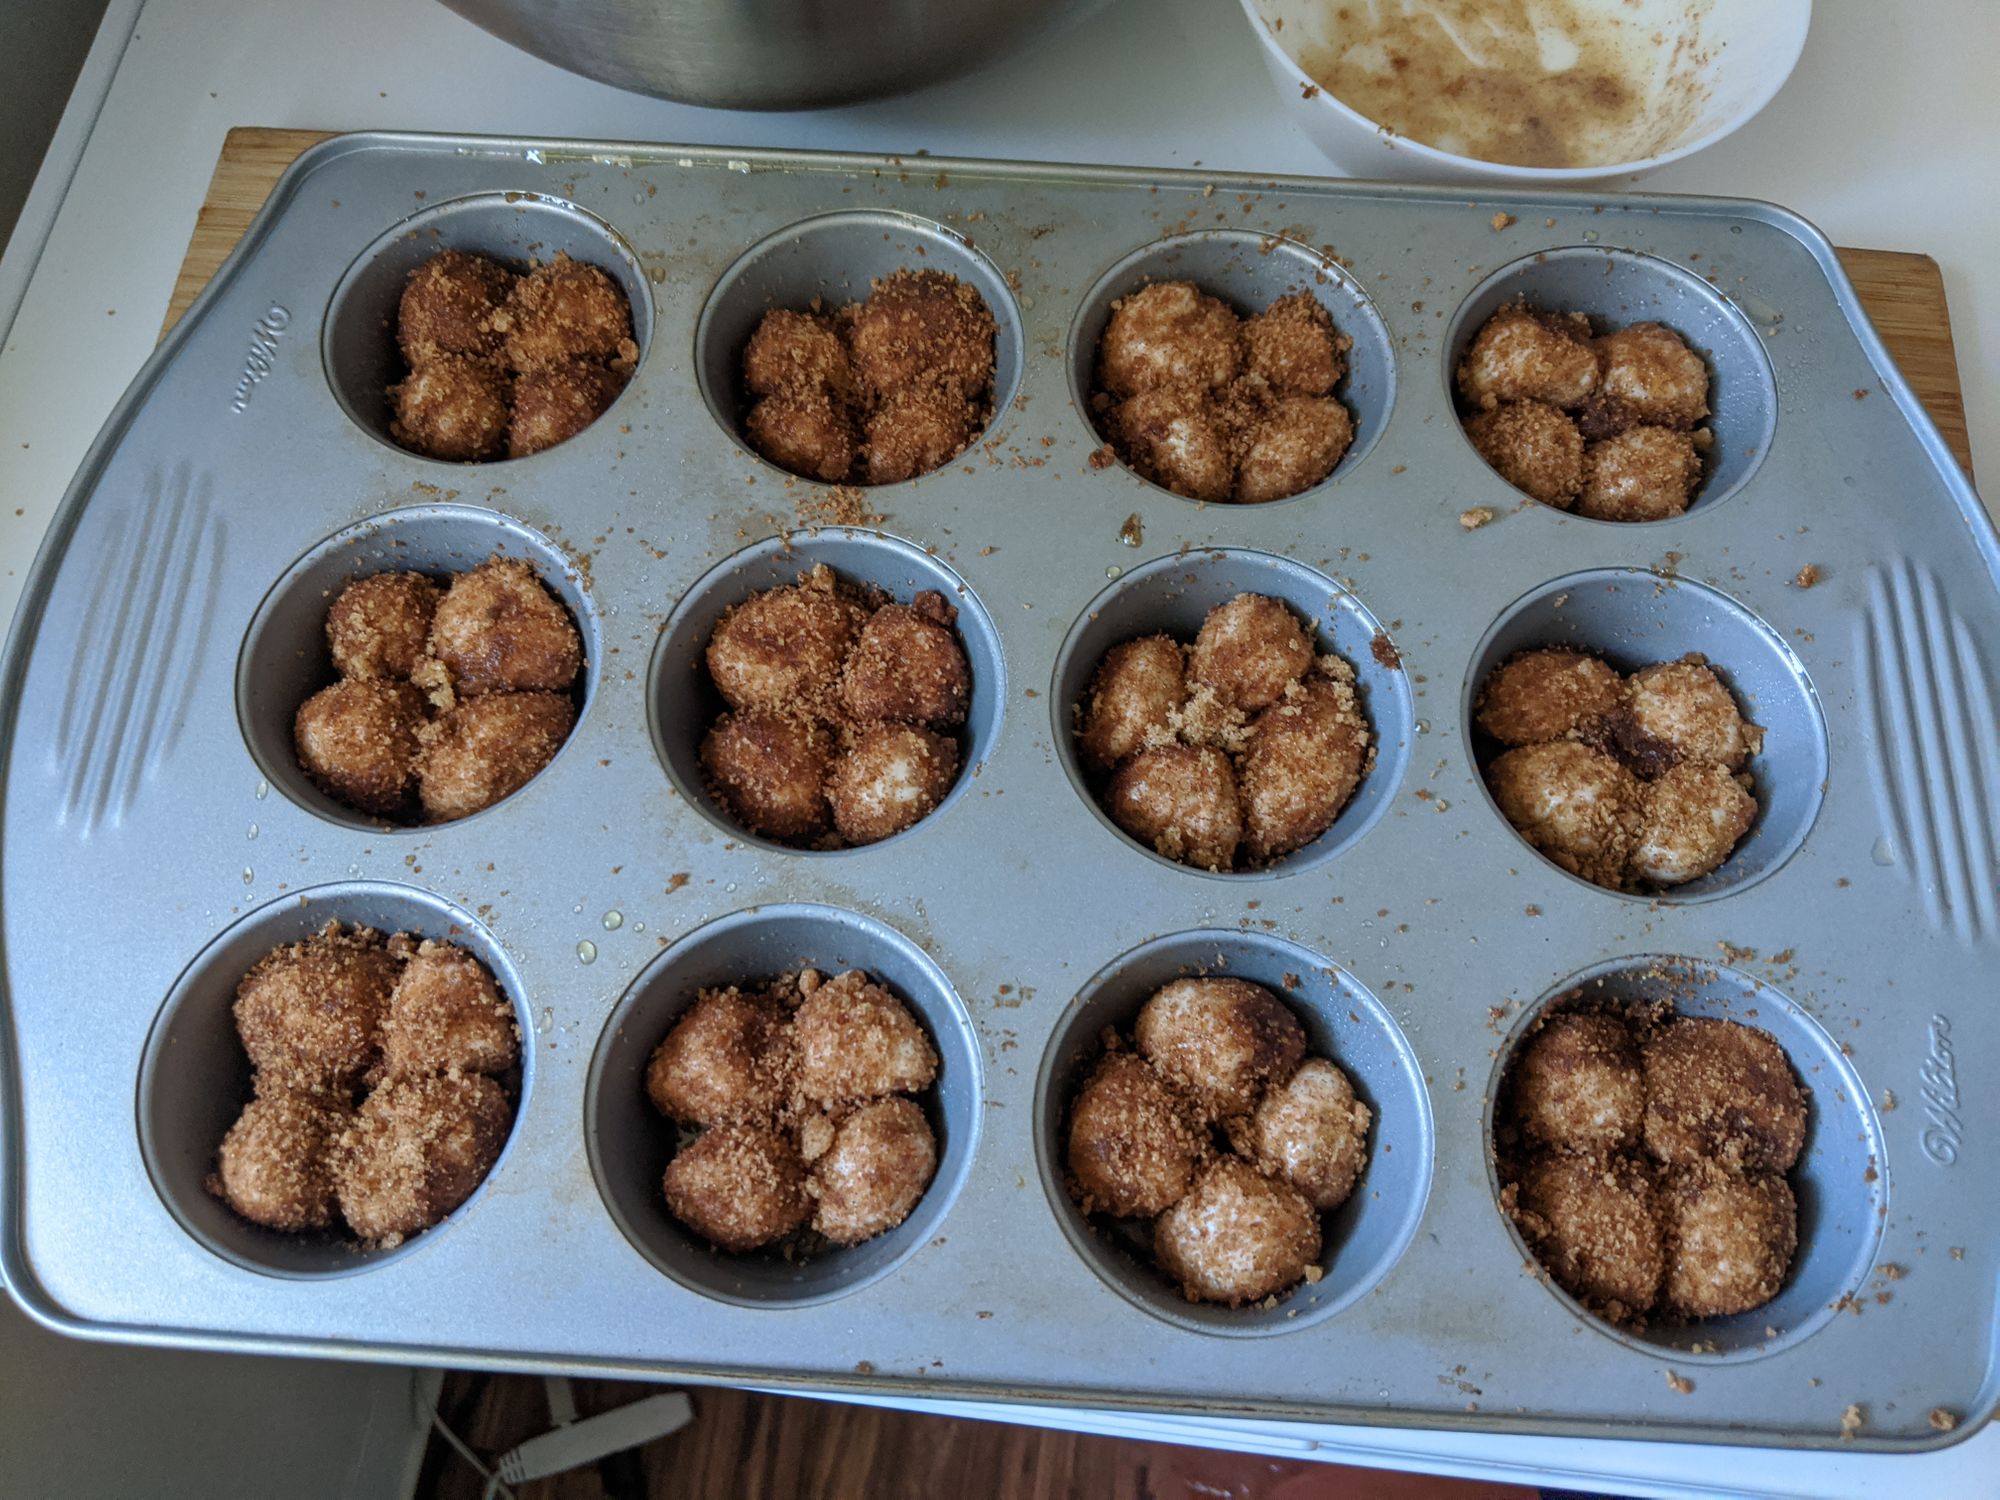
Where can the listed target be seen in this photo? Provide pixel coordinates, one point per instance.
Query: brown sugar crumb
(1807, 577)
(1476, 517)
(842, 505)
(1384, 651)
(1850, 1422)
(1888, 1105)
(1501, 221)
(1890, 1271)
(1133, 532)
(864, 1367)
(676, 880)
(1103, 457)
(1943, 1419)
(1680, 1383)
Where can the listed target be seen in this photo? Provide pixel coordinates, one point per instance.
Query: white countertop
(1886, 137)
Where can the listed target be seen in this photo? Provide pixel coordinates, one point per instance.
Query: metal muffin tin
(156, 834)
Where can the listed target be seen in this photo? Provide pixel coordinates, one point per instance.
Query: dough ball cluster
(880, 391)
(1634, 783)
(1610, 426)
(842, 710)
(1648, 1160)
(804, 1094)
(1211, 1121)
(448, 699)
(1215, 406)
(1229, 753)
(380, 1101)
(501, 365)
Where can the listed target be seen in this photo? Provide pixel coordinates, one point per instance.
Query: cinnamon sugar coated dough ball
(1180, 800)
(1132, 1149)
(1313, 1133)
(1237, 1237)
(1168, 334)
(377, 626)
(417, 1149)
(499, 629)
(784, 647)
(768, 770)
(1175, 437)
(1732, 1241)
(1595, 1224)
(1575, 804)
(882, 1158)
(1548, 694)
(358, 741)
(1725, 1092)
(452, 408)
(923, 328)
(310, 1013)
(1522, 354)
(915, 430)
(853, 1039)
(804, 431)
(1304, 762)
(794, 351)
(275, 1166)
(1249, 650)
(725, 1059)
(1694, 817)
(1220, 1041)
(1684, 705)
(907, 665)
(1132, 700)
(738, 1186)
(447, 1015)
(553, 403)
(566, 310)
(488, 748)
(1578, 1086)
(447, 307)
(1292, 345)
(1534, 447)
(1650, 372)
(1642, 474)
(1292, 446)
(889, 779)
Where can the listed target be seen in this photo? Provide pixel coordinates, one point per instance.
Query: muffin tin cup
(284, 657)
(1634, 618)
(1841, 1180)
(1363, 1238)
(195, 1078)
(630, 1143)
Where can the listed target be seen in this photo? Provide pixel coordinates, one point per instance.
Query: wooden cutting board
(1903, 293)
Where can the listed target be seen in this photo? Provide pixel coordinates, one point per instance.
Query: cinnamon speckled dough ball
(1238, 1236)
(377, 626)
(907, 665)
(1550, 694)
(852, 1039)
(1642, 474)
(738, 1186)
(1732, 1240)
(447, 1015)
(1522, 354)
(488, 748)
(448, 304)
(1250, 650)
(1292, 345)
(1220, 1041)
(727, 1058)
(1181, 800)
(1575, 804)
(1312, 1132)
(916, 430)
(1168, 334)
(553, 403)
(1291, 447)
(795, 351)
(310, 1013)
(275, 1165)
(923, 328)
(768, 769)
(1684, 706)
(1577, 1085)
(890, 778)
(1303, 764)
(1532, 446)
(1650, 373)
(1174, 436)
(1695, 815)
(1722, 1091)
(1132, 1148)
(566, 310)
(417, 1149)
(806, 432)
(499, 629)
(452, 408)
(1133, 697)
(882, 1158)
(1595, 1225)
(784, 648)
(358, 740)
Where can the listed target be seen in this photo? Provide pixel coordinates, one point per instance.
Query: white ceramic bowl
(1749, 48)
